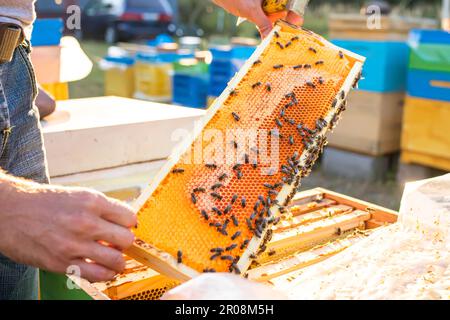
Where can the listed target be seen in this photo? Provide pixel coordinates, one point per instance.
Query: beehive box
(372, 124)
(386, 66)
(271, 124)
(425, 139)
(119, 76)
(319, 224)
(429, 65)
(391, 27)
(79, 136)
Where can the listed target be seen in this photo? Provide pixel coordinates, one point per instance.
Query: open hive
(211, 207)
(318, 224)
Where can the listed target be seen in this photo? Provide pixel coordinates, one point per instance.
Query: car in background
(116, 20)
(126, 20)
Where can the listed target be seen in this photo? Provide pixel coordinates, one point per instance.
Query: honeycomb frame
(167, 263)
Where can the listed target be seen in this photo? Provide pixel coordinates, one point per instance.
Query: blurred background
(184, 52)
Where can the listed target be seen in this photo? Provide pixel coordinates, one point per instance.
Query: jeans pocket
(24, 53)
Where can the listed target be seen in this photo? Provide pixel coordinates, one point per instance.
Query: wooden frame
(166, 264)
(321, 241)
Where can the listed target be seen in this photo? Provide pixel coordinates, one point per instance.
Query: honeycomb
(151, 294)
(137, 282)
(258, 139)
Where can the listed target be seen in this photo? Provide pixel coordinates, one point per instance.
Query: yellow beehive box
(153, 80)
(119, 76)
(425, 137)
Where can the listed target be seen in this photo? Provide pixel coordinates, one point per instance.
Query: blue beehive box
(190, 90)
(47, 32)
(429, 65)
(226, 62)
(419, 36)
(386, 67)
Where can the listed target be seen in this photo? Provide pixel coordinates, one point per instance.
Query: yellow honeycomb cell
(295, 71)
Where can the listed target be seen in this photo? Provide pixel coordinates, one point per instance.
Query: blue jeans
(21, 154)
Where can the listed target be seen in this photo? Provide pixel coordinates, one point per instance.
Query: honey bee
(227, 209)
(257, 84)
(179, 170)
(230, 258)
(215, 256)
(216, 196)
(235, 221)
(199, 189)
(179, 256)
(231, 247)
(235, 116)
(205, 215)
(235, 235)
(334, 104)
(244, 243)
(243, 202)
(249, 224)
(237, 167)
(246, 158)
(216, 186)
(310, 84)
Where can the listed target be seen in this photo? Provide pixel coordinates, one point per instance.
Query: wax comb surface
(215, 214)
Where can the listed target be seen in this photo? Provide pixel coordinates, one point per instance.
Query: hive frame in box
(378, 217)
(138, 282)
(166, 263)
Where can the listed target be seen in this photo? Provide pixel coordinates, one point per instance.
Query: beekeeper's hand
(252, 10)
(222, 286)
(54, 228)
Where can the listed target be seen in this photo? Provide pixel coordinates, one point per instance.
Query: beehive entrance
(288, 95)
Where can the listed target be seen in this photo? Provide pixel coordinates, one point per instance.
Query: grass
(93, 85)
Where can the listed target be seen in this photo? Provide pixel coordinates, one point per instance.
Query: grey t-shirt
(20, 12)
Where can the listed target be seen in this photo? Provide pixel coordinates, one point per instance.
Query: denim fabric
(21, 154)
